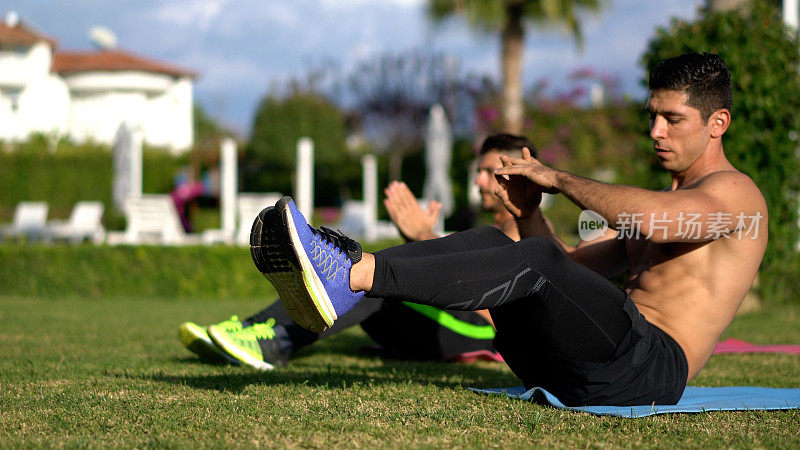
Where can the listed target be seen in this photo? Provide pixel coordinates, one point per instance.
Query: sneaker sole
(196, 340)
(273, 257)
(273, 240)
(232, 351)
(268, 250)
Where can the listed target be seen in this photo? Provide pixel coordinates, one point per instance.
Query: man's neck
(506, 223)
(712, 160)
(501, 216)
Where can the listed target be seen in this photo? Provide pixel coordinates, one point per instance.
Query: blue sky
(239, 46)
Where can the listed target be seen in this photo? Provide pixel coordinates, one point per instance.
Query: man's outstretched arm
(661, 216)
(604, 255)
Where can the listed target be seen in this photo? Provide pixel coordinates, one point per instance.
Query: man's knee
(486, 237)
(542, 255)
(540, 246)
(490, 232)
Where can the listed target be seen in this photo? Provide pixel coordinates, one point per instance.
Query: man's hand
(522, 181)
(413, 222)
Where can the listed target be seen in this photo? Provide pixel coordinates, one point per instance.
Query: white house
(88, 95)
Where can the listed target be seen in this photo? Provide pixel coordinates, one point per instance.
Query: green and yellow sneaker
(195, 338)
(255, 345)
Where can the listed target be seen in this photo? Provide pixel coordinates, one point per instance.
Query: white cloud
(185, 13)
(346, 4)
(221, 72)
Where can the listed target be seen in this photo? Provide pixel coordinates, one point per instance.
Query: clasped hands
(522, 181)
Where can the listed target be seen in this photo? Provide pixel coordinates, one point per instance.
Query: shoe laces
(340, 241)
(263, 330)
(232, 324)
(329, 246)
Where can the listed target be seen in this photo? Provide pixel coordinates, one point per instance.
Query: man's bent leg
(538, 297)
(559, 325)
(486, 277)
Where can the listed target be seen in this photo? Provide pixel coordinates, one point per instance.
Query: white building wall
(31, 98)
(156, 104)
(169, 121)
(19, 65)
(44, 107)
(122, 80)
(96, 115)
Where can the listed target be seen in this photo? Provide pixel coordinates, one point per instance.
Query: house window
(20, 50)
(12, 96)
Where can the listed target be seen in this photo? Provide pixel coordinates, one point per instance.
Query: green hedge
(70, 173)
(89, 271)
(146, 271)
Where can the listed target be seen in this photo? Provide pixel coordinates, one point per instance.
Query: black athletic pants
(541, 301)
(400, 331)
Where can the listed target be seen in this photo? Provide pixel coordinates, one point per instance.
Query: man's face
(486, 181)
(679, 134)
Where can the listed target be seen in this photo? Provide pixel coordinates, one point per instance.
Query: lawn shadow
(378, 372)
(200, 361)
(347, 343)
(320, 364)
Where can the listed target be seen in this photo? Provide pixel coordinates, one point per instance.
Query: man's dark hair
(704, 77)
(504, 142)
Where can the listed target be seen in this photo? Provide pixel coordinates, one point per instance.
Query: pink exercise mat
(478, 355)
(735, 346)
(728, 346)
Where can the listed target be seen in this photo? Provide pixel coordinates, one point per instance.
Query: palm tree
(510, 17)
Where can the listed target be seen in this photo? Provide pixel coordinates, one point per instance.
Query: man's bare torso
(692, 290)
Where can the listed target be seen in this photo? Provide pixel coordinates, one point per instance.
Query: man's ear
(719, 122)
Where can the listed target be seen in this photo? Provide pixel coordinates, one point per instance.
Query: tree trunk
(513, 39)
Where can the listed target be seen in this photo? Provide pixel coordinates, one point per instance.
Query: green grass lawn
(112, 372)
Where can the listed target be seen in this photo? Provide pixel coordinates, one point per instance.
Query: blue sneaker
(316, 287)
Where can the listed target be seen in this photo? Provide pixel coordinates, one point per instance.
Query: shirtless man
(691, 252)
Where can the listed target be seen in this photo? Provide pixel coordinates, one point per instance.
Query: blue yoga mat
(694, 400)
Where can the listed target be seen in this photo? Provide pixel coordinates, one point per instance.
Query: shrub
(278, 124)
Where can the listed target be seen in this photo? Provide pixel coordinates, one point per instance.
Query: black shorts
(648, 367)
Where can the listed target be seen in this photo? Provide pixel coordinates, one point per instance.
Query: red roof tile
(22, 35)
(113, 61)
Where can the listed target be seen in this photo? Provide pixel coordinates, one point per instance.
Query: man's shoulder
(733, 185)
(725, 176)
(730, 180)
